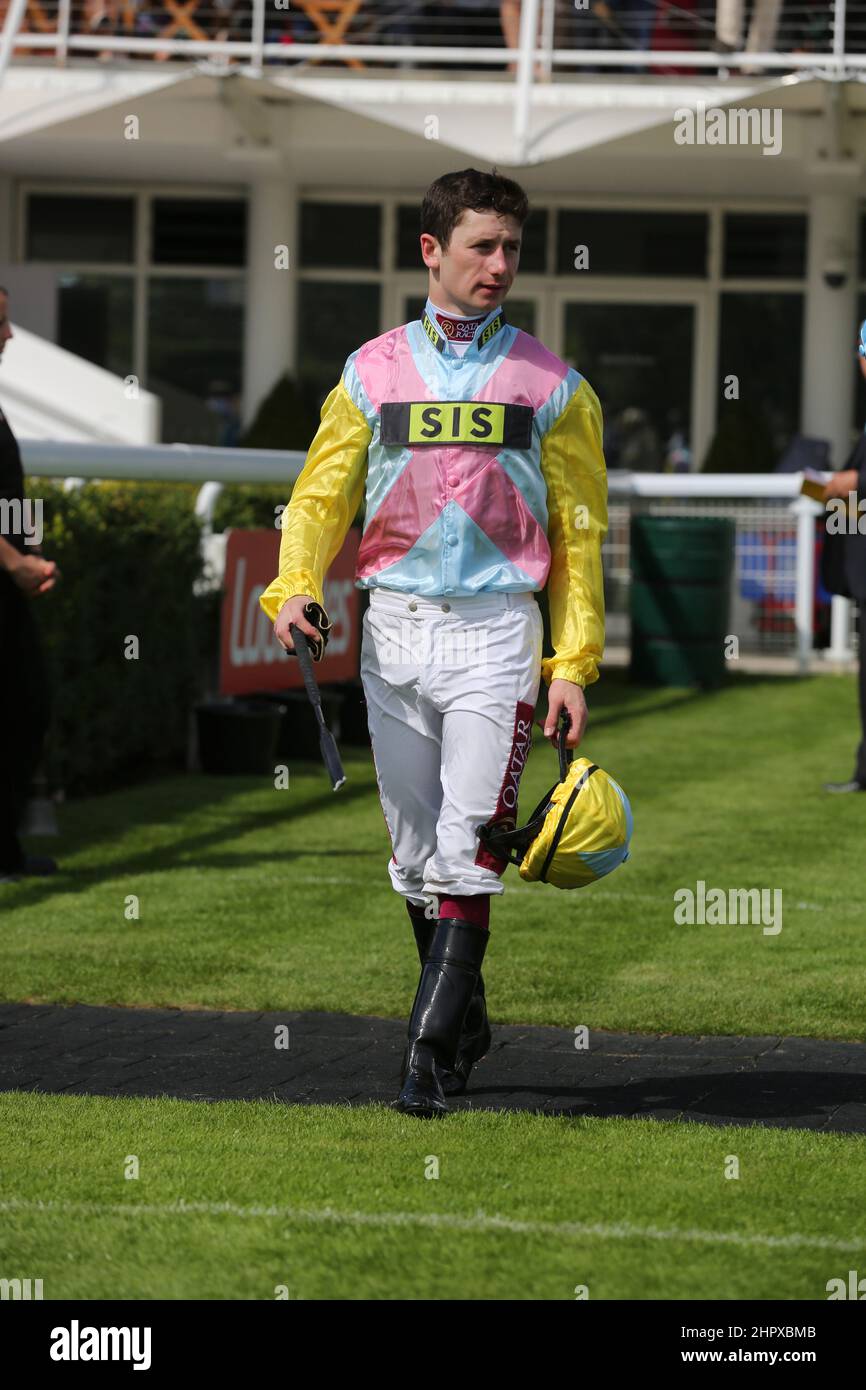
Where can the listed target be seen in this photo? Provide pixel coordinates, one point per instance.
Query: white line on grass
(480, 1222)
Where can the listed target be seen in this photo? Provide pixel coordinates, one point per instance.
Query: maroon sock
(475, 909)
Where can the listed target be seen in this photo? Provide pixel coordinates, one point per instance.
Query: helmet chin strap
(512, 845)
(503, 842)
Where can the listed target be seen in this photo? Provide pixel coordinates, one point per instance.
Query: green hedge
(248, 506)
(129, 554)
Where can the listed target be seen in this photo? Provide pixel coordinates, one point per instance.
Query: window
(198, 231)
(764, 245)
(188, 349)
(761, 344)
(638, 360)
(533, 250)
(337, 235)
(408, 233)
(80, 227)
(333, 320)
(95, 319)
(195, 352)
(633, 243)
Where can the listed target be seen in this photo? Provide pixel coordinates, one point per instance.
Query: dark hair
(448, 198)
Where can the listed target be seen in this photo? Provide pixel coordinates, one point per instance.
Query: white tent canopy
(49, 393)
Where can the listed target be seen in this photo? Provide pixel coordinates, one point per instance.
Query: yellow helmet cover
(586, 829)
(578, 832)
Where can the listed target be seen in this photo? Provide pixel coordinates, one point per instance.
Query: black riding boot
(448, 979)
(476, 1037)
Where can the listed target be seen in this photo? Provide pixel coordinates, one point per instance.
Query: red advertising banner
(251, 658)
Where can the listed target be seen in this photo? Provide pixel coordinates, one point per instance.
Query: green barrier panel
(680, 599)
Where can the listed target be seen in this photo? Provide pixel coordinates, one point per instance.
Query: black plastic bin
(354, 732)
(238, 736)
(298, 739)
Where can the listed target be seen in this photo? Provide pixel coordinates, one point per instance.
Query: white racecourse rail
(774, 578)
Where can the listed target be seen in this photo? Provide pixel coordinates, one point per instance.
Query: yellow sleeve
(572, 462)
(324, 502)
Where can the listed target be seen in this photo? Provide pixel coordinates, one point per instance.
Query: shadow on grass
(615, 698)
(188, 795)
(164, 803)
(776, 1098)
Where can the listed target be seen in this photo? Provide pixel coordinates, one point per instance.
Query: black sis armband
(474, 423)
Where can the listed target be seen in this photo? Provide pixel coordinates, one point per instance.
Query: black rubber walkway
(202, 1055)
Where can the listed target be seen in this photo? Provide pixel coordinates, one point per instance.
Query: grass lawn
(234, 1200)
(256, 898)
(253, 898)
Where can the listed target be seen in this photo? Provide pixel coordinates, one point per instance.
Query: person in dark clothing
(852, 479)
(23, 685)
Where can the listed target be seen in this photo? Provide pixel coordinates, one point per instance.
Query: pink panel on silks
(413, 504)
(499, 509)
(505, 814)
(387, 370)
(528, 361)
(488, 496)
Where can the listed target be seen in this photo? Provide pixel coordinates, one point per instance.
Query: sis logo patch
(416, 423)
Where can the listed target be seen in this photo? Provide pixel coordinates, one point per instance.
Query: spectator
(223, 402)
(24, 575)
(473, 25)
(816, 28)
(762, 29)
(849, 563)
(678, 455)
(100, 17)
(400, 22)
(631, 441)
(625, 23)
(509, 18)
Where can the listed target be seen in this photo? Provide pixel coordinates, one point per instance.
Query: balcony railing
(532, 39)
